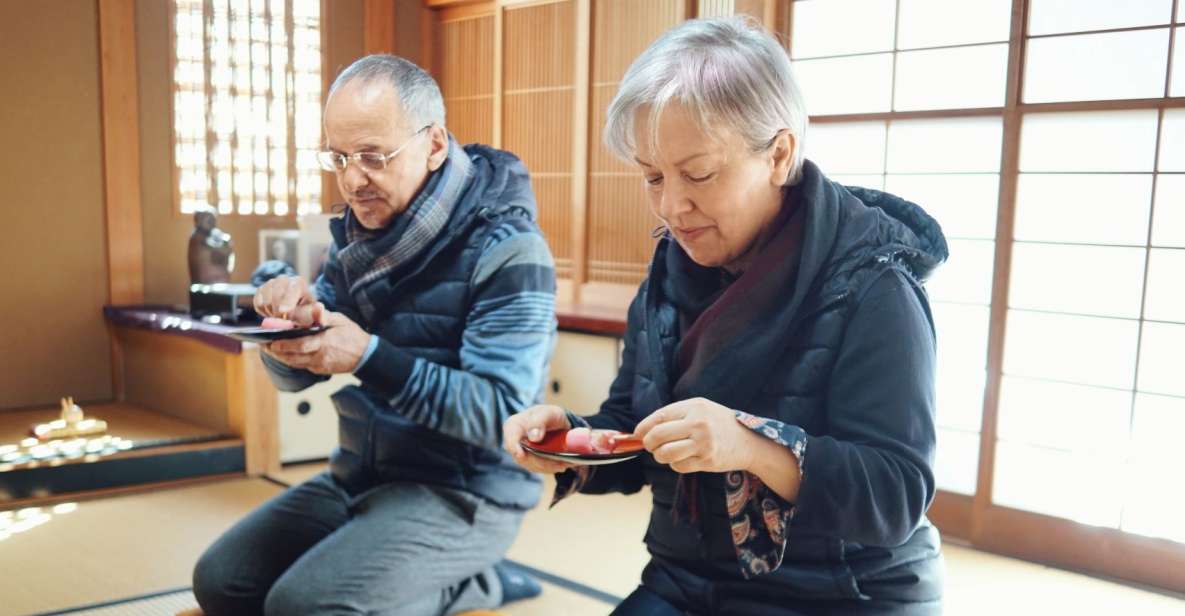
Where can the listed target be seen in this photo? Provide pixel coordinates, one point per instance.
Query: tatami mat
(292, 474)
(121, 547)
(553, 602)
(594, 540)
(982, 584)
(131, 546)
(161, 605)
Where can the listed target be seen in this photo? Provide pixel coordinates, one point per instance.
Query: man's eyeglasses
(368, 161)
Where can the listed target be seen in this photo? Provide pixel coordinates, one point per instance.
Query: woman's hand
(698, 435)
(533, 423)
(289, 297)
(336, 350)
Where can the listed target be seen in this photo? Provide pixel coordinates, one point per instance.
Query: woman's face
(713, 192)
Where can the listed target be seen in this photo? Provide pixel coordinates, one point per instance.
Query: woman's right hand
(532, 424)
(289, 297)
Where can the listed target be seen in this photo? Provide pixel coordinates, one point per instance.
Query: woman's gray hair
(417, 90)
(729, 72)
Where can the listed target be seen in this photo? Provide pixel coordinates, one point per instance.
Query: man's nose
(354, 178)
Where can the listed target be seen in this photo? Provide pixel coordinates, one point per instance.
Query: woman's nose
(674, 201)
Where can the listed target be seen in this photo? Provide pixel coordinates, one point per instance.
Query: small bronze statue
(211, 252)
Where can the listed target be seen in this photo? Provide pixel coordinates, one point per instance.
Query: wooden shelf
(124, 420)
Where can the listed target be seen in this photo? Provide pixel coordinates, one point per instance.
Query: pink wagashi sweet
(586, 441)
(579, 440)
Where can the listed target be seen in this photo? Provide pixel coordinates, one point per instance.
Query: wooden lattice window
(247, 105)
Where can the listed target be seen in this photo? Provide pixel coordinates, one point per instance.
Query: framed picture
(315, 240)
(280, 245)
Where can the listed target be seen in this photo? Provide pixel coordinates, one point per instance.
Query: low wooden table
(193, 371)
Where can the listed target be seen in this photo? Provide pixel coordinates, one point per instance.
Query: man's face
(368, 117)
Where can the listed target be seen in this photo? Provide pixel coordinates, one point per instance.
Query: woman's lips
(690, 233)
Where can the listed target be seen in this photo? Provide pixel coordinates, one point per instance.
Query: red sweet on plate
(276, 323)
(586, 442)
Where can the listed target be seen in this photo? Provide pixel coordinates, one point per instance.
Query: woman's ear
(437, 147)
(781, 157)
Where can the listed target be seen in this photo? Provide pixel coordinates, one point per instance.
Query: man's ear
(437, 146)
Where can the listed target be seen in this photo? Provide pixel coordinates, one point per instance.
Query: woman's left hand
(698, 435)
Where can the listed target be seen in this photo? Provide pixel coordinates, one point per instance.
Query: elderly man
(439, 294)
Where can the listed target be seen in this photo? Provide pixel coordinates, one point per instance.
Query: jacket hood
(846, 226)
(501, 181)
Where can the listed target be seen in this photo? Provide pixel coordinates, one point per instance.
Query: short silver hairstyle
(729, 72)
(418, 93)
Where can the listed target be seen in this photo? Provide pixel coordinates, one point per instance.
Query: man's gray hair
(417, 90)
(728, 72)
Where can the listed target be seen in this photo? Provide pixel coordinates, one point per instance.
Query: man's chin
(372, 213)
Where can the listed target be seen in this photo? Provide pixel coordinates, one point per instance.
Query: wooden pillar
(119, 111)
(378, 26)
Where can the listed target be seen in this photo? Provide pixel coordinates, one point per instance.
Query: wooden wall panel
(622, 29)
(715, 8)
(378, 26)
(537, 127)
(539, 46)
(621, 223)
(54, 281)
(464, 68)
(471, 120)
(619, 220)
(553, 195)
(537, 107)
(465, 50)
(531, 104)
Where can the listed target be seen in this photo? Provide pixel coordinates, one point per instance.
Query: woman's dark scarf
(716, 311)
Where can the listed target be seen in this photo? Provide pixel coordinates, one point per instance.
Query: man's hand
(289, 297)
(336, 350)
(533, 423)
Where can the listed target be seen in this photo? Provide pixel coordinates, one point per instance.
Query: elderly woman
(779, 358)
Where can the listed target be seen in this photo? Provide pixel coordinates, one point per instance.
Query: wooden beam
(444, 4)
(1081, 547)
(466, 11)
(951, 513)
(121, 151)
(378, 26)
(328, 181)
(1005, 222)
(580, 144)
(429, 22)
(522, 4)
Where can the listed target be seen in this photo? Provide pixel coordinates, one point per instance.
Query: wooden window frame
(976, 520)
(327, 182)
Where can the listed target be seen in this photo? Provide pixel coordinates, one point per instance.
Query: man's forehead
(364, 98)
